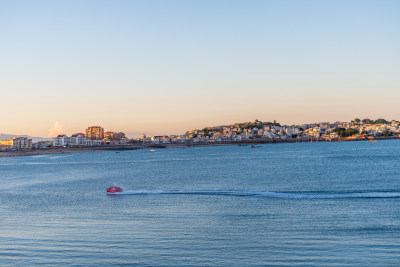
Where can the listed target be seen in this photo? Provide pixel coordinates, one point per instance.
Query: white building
(61, 140)
(78, 140)
(94, 142)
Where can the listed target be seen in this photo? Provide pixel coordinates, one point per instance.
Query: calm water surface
(331, 204)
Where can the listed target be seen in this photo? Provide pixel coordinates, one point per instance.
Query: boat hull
(114, 189)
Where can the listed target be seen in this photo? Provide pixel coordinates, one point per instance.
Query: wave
(270, 194)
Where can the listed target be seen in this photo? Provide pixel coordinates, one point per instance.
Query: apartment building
(95, 133)
(16, 143)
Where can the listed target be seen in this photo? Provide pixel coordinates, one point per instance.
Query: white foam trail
(271, 194)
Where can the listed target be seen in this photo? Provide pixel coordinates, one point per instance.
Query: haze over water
(330, 204)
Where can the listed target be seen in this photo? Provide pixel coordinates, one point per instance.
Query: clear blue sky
(169, 66)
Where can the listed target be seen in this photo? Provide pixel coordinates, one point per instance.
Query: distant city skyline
(256, 131)
(60, 130)
(163, 67)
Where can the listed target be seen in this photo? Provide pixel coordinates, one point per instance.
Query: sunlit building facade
(114, 136)
(16, 143)
(95, 133)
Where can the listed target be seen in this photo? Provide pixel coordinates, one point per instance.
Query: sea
(294, 204)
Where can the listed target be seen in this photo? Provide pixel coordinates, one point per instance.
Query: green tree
(381, 121)
(387, 133)
(338, 130)
(351, 132)
(367, 121)
(342, 132)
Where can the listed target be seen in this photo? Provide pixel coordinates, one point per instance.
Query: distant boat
(114, 189)
(253, 146)
(152, 150)
(373, 140)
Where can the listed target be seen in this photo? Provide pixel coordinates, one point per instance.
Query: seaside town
(247, 132)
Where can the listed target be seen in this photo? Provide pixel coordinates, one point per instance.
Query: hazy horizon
(60, 129)
(164, 67)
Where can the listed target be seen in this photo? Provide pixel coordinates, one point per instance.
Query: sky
(165, 67)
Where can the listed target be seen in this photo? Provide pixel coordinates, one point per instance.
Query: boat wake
(270, 194)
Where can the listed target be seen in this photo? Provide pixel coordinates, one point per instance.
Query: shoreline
(51, 151)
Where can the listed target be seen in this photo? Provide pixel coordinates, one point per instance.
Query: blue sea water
(300, 204)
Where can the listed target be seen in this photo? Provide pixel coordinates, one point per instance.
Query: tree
(387, 133)
(351, 132)
(338, 130)
(381, 121)
(357, 120)
(257, 124)
(342, 132)
(366, 121)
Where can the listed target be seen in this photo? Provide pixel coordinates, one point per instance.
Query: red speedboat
(114, 189)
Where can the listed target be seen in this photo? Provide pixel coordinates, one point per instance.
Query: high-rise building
(95, 133)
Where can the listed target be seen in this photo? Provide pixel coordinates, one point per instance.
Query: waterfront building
(159, 139)
(95, 133)
(249, 135)
(114, 136)
(22, 143)
(42, 144)
(6, 144)
(61, 140)
(119, 136)
(16, 143)
(109, 135)
(90, 142)
(78, 139)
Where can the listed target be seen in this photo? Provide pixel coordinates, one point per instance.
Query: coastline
(50, 151)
